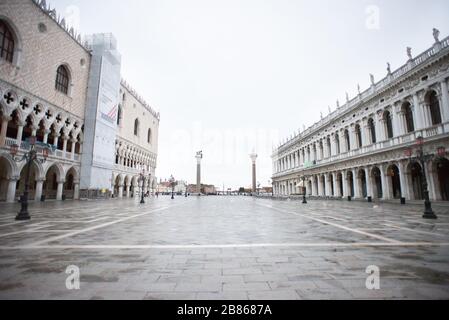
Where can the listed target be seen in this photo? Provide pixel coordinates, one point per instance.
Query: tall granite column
(254, 181)
(199, 157)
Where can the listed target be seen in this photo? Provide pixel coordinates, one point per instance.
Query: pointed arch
(62, 83)
(11, 42)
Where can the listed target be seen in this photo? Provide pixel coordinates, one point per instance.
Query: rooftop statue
(409, 53)
(436, 35)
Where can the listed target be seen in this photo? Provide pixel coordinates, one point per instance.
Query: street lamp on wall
(29, 157)
(142, 182)
(304, 199)
(172, 184)
(422, 158)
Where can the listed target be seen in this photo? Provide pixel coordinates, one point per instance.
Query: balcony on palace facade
(53, 155)
(128, 170)
(396, 142)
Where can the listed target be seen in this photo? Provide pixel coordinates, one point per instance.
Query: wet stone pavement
(223, 248)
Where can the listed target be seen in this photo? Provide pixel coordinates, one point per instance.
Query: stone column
(76, 191)
(46, 133)
(369, 183)
(353, 138)
(320, 186)
(396, 124)
(128, 191)
(5, 121)
(55, 143)
(404, 180)
(73, 148)
(254, 180)
(333, 146)
(39, 187)
(314, 187)
(120, 191)
(34, 130)
(382, 131)
(445, 102)
(199, 157)
(368, 135)
(337, 191)
(318, 152)
(385, 182)
(60, 190)
(357, 193)
(11, 195)
(20, 126)
(329, 186)
(402, 127)
(345, 184)
(64, 145)
(417, 113)
(363, 126)
(431, 183)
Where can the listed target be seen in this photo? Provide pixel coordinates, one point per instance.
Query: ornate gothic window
(434, 105)
(372, 128)
(62, 80)
(6, 43)
(410, 125)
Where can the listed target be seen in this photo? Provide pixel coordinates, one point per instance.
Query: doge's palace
(67, 92)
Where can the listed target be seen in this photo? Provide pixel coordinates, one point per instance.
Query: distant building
(205, 189)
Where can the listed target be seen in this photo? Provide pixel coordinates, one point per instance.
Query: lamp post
(29, 157)
(172, 183)
(142, 181)
(304, 199)
(422, 159)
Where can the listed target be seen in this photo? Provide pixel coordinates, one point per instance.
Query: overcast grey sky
(231, 76)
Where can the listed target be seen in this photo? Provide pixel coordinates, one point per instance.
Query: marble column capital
(5, 118)
(21, 123)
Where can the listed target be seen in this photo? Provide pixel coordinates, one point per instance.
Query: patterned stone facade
(42, 46)
(32, 104)
(136, 145)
